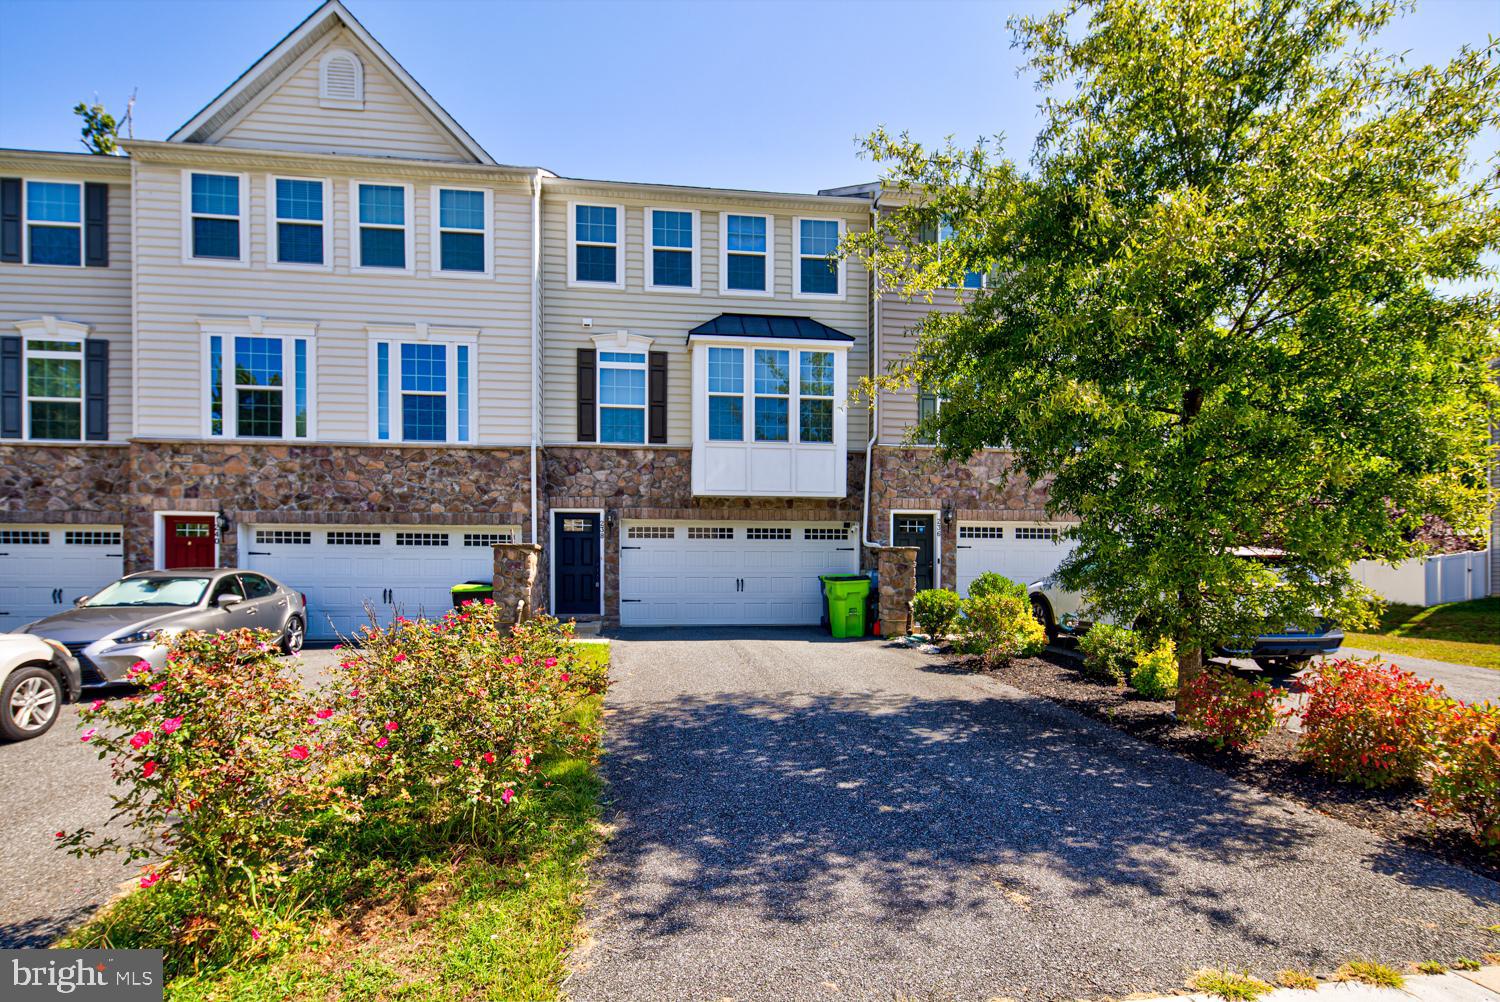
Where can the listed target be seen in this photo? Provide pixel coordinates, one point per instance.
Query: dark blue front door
(575, 541)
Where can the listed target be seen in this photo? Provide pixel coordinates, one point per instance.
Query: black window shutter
(656, 412)
(96, 382)
(10, 387)
(10, 220)
(96, 225)
(587, 395)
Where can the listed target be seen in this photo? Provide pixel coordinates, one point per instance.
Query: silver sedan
(135, 618)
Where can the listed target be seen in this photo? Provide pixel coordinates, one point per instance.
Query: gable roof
(250, 84)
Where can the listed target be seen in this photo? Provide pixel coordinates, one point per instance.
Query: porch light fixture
(947, 513)
(223, 523)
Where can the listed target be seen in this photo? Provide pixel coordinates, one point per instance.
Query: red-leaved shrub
(1464, 782)
(1234, 712)
(1366, 722)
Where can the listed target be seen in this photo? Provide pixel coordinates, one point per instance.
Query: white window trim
(50, 328)
(622, 341)
(798, 257)
(840, 351)
(286, 331)
(794, 418)
(552, 546)
(409, 213)
(159, 534)
(187, 221)
(26, 222)
(937, 537)
(724, 289)
(272, 221)
(573, 244)
(648, 244)
(394, 335)
(793, 370)
(438, 230)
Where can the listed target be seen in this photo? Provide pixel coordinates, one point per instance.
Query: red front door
(191, 541)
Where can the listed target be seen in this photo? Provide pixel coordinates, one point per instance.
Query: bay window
(772, 395)
(815, 392)
(726, 394)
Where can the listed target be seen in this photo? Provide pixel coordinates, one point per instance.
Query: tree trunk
(1190, 665)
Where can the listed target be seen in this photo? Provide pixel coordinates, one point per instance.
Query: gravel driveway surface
(802, 818)
(57, 782)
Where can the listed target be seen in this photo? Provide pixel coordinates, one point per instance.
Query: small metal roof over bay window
(774, 328)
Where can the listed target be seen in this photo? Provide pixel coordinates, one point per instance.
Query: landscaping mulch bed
(1273, 766)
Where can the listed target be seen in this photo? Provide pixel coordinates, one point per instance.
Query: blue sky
(766, 95)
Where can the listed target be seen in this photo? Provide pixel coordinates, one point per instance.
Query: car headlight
(56, 645)
(139, 637)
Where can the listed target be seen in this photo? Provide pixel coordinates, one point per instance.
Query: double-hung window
(672, 250)
(423, 390)
(773, 387)
(594, 244)
(215, 217)
(816, 274)
(259, 384)
(460, 231)
(382, 226)
(622, 396)
(971, 279)
(54, 387)
(726, 394)
(299, 221)
(54, 223)
(815, 393)
(745, 254)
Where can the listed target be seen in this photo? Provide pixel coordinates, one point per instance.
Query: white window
(52, 382)
(622, 396)
(815, 275)
(260, 381)
(789, 393)
(943, 235)
(298, 222)
(213, 218)
(382, 232)
(815, 396)
(672, 250)
(422, 389)
(594, 233)
(341, 81)
(747, 243)
(461, 232)
(52, 214)
(726, 394)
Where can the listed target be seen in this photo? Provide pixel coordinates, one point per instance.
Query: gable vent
(341, 80)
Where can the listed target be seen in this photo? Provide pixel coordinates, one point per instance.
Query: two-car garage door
(349, 573)
(43, 568)
(728, 573)
(1025, 552)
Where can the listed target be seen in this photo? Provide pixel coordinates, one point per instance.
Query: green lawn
(446, 928)
(1459, 632)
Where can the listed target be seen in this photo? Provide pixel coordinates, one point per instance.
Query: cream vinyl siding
(288, 116)
(898, 318)
(173, 295)
(97, 297)
(666, 317)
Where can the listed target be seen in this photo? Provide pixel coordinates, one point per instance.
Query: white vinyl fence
(1448, 577)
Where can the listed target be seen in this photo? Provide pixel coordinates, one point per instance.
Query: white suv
(36, 677)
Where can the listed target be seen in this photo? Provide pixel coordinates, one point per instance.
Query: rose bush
(1234, 712)
(446, 717)
(1367, 722)
(1464, 769)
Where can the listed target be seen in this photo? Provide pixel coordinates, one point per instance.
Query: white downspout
(875, 397)
(536, 280)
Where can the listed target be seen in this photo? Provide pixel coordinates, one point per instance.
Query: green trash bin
(846, 595)
(472, 591)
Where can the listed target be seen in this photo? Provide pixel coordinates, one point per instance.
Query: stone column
(517, 584)
(897, 566)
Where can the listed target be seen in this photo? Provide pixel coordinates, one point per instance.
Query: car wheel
(29, 703)
(1043, 614)
(296, 633)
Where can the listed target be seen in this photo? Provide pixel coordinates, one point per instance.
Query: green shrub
(936, 610)
(990, 583)
(1109, 652)
(1000, 627)
(1155, 674)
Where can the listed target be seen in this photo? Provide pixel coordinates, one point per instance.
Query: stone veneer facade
(77, 484)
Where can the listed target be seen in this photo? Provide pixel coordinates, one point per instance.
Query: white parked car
(36, 677)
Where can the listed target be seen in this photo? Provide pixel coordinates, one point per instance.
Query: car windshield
(151, 591)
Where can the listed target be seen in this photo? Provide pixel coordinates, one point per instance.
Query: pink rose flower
(508, 795)
(550, 662)
(170, 724)
(298, 752)
(158, 698)
(391, 725)
(458, 763)
(148, 769)
(150, 879)
(566, 677)
(399, 657)
(141, 739)
(96, 706)
(489, 758)
(324, 713)
(159, 686)
(382, 742)
(86, 735)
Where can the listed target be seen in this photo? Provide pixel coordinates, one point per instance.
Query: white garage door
(403, 570)
(43, 568)
(1022, 551)
(729, 573)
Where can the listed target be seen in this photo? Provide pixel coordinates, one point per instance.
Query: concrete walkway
(1454, 986)
(801, 818)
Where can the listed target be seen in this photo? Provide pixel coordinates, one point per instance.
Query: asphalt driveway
(52, 783)
(801, 818)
